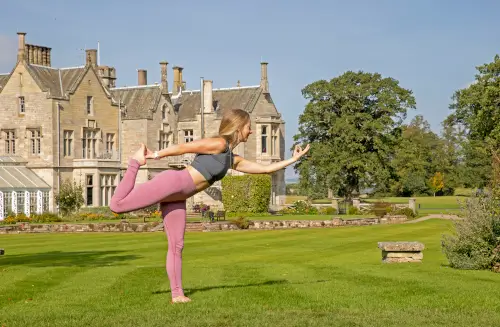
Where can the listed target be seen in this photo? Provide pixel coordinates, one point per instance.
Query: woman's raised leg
(170, 183)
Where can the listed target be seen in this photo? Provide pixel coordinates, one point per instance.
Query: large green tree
(419, 155)
(352, 123)
(476, 109)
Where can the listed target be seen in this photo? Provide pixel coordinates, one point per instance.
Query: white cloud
(8, 53)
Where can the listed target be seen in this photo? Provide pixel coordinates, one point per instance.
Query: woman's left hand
(299, 152)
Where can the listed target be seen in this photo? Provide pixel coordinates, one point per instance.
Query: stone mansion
(74, 123)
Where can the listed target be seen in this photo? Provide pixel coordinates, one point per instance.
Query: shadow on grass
(190, 291)
(67, 259)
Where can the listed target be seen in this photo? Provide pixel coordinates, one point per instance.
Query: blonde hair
(232, 121)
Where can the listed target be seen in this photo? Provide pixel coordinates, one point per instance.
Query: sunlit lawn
(306, 277)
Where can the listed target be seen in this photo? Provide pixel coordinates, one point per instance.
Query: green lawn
(429, 204)
(310, 277)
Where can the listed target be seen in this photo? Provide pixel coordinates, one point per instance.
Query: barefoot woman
(171, 188)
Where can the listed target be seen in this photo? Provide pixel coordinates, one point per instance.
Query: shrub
(300, 208)
(475, 243)
(241, 222)
(381, 208)
(353, 211)
(70, 197)
(404, 212)
(247, 193)
(327, 211)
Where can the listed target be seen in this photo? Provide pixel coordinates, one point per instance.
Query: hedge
(246, 193)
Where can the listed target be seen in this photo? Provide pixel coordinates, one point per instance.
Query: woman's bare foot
(140, 155)
(181, 299)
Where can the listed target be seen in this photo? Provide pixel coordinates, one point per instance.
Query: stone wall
(205, 227)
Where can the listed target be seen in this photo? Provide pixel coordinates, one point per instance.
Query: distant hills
(291, 180)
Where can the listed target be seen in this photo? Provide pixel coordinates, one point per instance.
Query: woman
(171, 188)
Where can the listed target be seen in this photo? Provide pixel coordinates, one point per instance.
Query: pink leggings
(170, 188)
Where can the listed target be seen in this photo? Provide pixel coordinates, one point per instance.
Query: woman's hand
(298, 152)
(148, 153)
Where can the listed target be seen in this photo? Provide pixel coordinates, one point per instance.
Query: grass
(320, 277)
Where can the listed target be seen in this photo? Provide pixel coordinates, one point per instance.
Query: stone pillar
(356, 203)
(177, 80)
(1, 206)
(412, 204)
(91, 57)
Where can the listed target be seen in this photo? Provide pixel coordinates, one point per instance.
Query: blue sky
(430, 46)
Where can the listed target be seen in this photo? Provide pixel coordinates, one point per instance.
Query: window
(163, 141)
(188, 135)
(89, 190)
(110, 142)
(22, 107)
(10, 141)
(274, 141)
(68, 143)
(35, 141)
(33, 202)
(164, 112)
(90, 105)
(107, 188)
(264, 139)
(89, 142)
(20, 202)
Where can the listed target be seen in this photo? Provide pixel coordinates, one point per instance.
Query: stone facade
(74, 123)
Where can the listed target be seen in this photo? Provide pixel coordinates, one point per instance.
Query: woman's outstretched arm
(249, 167)
(206, 146)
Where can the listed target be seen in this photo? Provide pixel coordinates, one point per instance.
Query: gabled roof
(3, 80)
(188, 103)
(59, 83)
(140, 102)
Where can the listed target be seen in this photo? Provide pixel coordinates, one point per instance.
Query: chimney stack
(142, 77)
(207, 96)
(164, 83)
(91, 57)
(21, 38)
(264, 84)
(177, 79)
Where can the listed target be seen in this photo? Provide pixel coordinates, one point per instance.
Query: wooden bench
(396, 252)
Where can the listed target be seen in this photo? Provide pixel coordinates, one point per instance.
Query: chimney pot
(177, 79)
(21, 38)
(142, 77)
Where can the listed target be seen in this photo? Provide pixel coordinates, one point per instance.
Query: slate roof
(14, 175)
(140, 102)
(3, 80)
(188, 103)
(59, 83)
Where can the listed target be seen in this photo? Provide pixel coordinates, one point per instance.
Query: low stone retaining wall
(205, 227)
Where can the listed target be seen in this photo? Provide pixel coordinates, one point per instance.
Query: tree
(352, 123)
(476, 110)
(437, 182)
(70, 197)
(419, 154)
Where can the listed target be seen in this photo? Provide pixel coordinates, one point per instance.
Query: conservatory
(21, 190)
